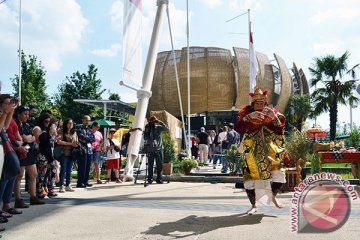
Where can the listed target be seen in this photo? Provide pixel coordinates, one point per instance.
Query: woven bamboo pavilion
(219, 81)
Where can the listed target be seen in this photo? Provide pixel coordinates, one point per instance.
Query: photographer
(154, 147)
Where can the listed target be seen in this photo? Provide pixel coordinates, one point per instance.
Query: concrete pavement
(178, 210)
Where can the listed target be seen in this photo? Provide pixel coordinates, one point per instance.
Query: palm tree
(329, 71)
(299, 110)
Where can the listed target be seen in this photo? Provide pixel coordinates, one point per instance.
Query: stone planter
(233, 174)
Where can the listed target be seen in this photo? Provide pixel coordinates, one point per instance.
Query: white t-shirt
(112, 154)
(222, 136)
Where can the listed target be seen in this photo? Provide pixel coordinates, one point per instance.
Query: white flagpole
(249, 23)
(188, 76)
(20, 56)
(144, 93)
(176, 76)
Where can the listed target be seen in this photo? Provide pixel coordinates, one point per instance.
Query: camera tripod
(141, 159)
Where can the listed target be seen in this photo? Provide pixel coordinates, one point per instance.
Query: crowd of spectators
(44, 149)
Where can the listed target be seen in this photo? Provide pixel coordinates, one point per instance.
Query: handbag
(75, 152)
(58, 152)
(11, 166)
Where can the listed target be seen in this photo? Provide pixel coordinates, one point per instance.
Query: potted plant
(169, 153)
(297, 146)
(234, 158)
(187, 164)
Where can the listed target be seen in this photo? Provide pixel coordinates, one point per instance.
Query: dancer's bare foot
(252, 211)
(276, 202)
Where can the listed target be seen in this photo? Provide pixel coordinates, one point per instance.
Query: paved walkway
(177, 210)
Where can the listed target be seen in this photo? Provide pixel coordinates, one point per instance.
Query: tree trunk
(299, 124)
(333, 119)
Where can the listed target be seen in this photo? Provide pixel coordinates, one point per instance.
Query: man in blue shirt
(86, 137)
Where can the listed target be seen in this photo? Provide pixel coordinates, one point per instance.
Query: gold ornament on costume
(258, 95)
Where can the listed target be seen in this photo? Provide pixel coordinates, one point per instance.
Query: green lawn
(338, 165)
(334, 165)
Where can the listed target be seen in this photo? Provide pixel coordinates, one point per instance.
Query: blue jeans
(84, 163)
(6, 189)
(225, 165)
(217, 157)
(65, 170)
(97, 158)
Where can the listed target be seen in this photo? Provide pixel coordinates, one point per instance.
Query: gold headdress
(258, 95)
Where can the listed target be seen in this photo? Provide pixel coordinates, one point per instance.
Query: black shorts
(29, 160)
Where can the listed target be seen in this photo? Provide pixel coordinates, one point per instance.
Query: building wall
(215, 81)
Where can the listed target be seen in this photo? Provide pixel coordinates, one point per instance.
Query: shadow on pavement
(193, 225)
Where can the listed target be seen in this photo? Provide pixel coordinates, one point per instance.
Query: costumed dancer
(263, 146)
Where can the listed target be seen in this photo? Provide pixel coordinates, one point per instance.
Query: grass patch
(336, 165)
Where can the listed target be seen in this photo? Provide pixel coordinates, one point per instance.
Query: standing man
(203, 146)
(86, 138)
(32, 115)
(154, 147)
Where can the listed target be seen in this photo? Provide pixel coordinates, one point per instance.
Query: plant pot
(167, 168)
(187, 170)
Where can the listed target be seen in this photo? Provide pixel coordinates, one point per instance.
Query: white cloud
(328, 48)
(116, 14)
(348, 14)
(128, 96)
(238, 5)
(107, 52)
(178, 24)
(50, 29)
(212, 4)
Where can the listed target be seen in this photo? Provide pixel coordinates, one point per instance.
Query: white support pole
(249, 50)
(188, 77)
(351, 118)
(20, 57)
(177, 78)
(105, 112)
(144, 93)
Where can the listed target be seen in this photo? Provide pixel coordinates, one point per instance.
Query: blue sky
(68, 35)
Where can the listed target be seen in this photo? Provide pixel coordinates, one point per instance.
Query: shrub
(297, 146)
(234, 158)
(188, 163)
(169, 148)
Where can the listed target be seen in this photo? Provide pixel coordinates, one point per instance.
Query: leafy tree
(79, 86)
(355, 137)
(114, 96)
(33, 84)
(114, 114)
(298, 111)
(329, 71)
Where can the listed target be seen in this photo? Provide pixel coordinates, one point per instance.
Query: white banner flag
(132, 47)
(253, 65)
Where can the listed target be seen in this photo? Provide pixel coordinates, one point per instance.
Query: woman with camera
(27, 159)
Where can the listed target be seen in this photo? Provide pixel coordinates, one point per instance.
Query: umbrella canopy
(104, 123)
(316, 133)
